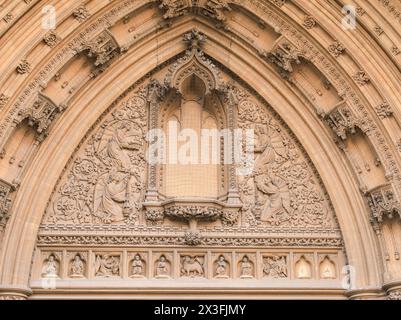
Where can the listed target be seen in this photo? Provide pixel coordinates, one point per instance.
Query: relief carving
(107, 265)
(192, 266)
(246, 268)
(77, 267)
(282, 189)
(51, 267)
(162, 267)
(275, 267)
(138, 267)
(105, 185)
(222, 268)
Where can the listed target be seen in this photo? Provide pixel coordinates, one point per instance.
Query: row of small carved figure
(109, 265)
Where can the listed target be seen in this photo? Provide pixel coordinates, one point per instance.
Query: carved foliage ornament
(309, 22)
(336, 49)
(50, 39)
(3, 100)
(5, 202)
(81, 13)
(384, 110)
(24, 67)
(214, 9)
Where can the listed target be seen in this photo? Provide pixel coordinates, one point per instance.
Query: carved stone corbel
(383, 203)
(341, 120)
(41, 114)
(101, 50)
(283, 55)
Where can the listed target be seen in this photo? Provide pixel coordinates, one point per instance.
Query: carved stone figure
(50, 268)
(277, 207)
(275, 267)
(138, 267)
(110, 197)
(246, 268)
(162, 268)
(77, 267)
(192, 266)
(107, 265)
(221, 267)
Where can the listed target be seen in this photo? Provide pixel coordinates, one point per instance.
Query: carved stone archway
(88, 84)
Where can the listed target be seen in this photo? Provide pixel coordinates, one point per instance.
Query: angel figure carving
(270, 144)
(117, 141)
(192, 266)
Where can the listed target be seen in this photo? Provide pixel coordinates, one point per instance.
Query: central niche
(192, 155)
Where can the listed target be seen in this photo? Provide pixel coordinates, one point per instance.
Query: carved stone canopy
(341, 120)
(214, 9)
(194, 66)
(42, 113)
(383, 203)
